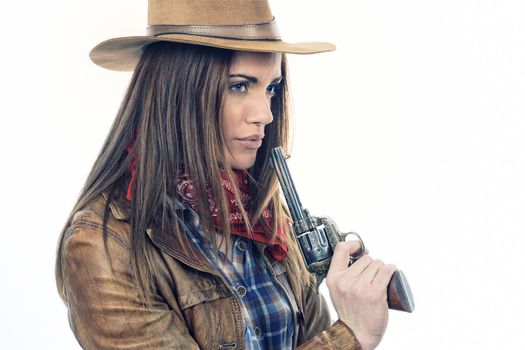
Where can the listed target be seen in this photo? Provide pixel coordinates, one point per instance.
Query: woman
(179, 238)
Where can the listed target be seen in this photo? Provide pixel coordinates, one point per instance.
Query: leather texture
(192, 307)
(263, 31)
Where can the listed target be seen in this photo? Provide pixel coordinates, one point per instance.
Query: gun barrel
(285, 179)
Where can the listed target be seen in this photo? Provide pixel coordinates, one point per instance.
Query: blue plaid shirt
(267, 315)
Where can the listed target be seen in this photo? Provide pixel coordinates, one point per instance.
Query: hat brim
(122, 54)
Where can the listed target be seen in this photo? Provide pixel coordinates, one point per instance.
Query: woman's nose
(260, 111)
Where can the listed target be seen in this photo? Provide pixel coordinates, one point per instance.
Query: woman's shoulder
(100, 221)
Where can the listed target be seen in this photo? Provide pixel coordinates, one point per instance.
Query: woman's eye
(272, 89)
(239, 87)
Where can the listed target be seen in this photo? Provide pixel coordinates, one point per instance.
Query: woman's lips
(251, 144)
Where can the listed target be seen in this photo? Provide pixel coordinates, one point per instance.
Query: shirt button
(241, 290)
(241, 245)
(258, 332)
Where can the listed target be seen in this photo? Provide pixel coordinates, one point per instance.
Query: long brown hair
(170, 119)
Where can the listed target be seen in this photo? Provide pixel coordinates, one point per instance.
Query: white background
(411, 133)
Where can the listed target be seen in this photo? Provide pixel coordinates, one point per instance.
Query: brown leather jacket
(192, 307)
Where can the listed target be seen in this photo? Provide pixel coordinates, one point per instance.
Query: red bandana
(276, 247)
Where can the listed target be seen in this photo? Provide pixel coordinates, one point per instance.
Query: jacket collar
(180, 249)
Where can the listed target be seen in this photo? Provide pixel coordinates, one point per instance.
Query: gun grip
(399, 294)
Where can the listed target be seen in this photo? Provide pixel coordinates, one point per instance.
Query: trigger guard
(362, 249)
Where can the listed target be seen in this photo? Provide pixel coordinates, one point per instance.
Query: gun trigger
(360, 252)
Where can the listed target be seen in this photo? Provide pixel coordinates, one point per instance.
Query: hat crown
(208, 12)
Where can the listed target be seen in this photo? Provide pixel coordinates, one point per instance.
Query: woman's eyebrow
(252, 79)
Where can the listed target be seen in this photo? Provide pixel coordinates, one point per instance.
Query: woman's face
(253, 79)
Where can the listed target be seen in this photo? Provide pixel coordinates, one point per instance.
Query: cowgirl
(180, 239)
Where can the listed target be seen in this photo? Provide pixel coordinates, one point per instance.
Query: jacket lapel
(180, 248)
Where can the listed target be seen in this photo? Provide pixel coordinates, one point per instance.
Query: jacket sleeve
(105, 311)
(319, 334)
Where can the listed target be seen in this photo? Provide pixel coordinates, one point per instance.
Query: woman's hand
(359, 294)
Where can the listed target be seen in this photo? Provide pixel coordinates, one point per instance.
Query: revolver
(317, 237)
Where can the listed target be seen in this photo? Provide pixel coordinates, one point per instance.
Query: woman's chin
(240, 160)
(243, 164)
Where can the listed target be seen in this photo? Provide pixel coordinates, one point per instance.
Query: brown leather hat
(246, 25)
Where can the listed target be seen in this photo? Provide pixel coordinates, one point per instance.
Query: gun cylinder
(315, 246)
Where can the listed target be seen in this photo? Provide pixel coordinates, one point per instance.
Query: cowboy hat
(246, 25)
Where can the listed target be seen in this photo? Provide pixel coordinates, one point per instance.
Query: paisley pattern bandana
(277, 247)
